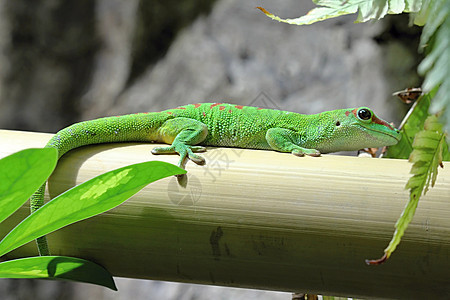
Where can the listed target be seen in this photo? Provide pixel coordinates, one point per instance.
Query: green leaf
(367, 10)
(412, 5)
(410, 126)
(57, 267)
(375, 9)
(420, 12)
(436, 65)
(317, 14)
(396, 7)
(426, 158)
(21, 174)
(93, 197)
(439, 9)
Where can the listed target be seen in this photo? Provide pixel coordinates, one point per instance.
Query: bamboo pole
(258, 219)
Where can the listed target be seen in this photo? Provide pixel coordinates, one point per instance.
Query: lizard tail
(36, 201)
(136, 128)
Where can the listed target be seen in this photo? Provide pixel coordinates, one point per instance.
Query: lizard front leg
(285, 140)
(183, 134)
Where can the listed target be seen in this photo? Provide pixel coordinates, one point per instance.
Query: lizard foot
(184, 151)
(303, 151)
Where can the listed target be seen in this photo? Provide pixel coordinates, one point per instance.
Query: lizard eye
(364, 114)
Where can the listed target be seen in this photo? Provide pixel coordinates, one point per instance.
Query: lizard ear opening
(338, 123)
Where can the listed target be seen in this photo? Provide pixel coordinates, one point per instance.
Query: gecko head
(359, 128)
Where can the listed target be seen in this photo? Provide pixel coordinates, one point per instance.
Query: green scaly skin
(228, 125)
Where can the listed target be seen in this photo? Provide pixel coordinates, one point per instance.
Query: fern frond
(367, 10)
(436, 65)
(426, 158)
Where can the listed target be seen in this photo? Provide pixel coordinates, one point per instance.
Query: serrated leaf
(436, 74)
(424, 154)
(367, 10)
(93, 197)
(426, 157)
(415, 181)
(412, 5)
(375, 9)
(21, 174)
(426, 139)
(439, 10)
(418, 168)
(315, 15)
(436, 65)
(396, 7)
(420, 15)
(57, 267)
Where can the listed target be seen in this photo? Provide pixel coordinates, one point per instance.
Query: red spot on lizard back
(215, 104)
(180, 107)
(221, 107)
(197, 105)
(239, 106)
(259, 108)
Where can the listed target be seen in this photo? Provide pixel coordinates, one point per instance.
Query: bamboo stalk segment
(258, 219)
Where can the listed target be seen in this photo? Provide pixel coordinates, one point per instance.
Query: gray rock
(235, 54)
(238, 55)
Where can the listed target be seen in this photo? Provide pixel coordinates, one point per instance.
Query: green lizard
(187, 127)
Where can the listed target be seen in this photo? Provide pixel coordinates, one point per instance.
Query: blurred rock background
(66, 61)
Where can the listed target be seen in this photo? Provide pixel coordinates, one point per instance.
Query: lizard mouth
(394, 134)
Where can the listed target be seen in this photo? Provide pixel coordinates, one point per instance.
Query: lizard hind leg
(187, 133)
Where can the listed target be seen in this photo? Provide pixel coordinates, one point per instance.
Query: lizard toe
(199, 160)
(314, 154)
(298, 152)
(303, 152)
(163, 150)
(198, 149)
